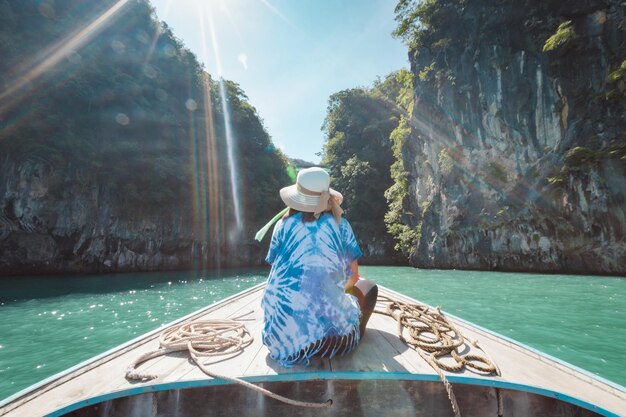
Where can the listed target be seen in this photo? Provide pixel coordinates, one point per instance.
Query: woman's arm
(355, 275)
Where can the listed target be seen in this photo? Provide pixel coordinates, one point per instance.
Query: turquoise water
(49, 324)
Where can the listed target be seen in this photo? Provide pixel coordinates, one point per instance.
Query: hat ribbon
(261, 233)
(325, 203)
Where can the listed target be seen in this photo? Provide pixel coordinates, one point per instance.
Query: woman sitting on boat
(314, 303)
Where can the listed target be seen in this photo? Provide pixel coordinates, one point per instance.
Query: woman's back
(304, 301)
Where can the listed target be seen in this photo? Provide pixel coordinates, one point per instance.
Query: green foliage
(618, 151)
(420, 22)
(556, 179)
(580, 156)
(535, 237)
(396, 195)
(361, 128)
(581, 159)
(358, 153)
(617, 80)
(360, 197)
(413, 18)
(396, 88)
(442, 43)
(445, 162)
(618, 74)
(425, 73)
(406, 237)
(563, 37)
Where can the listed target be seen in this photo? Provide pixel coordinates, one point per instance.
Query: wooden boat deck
(380, 353)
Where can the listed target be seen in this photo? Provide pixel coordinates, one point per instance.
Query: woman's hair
(306, 217)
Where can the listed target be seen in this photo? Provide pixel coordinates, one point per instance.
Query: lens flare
(25, 77)
(207, 208)
(230, 137)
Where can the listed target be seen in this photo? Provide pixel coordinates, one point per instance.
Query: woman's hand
(354, 278)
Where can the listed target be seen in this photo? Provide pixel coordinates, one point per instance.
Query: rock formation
(517, 154)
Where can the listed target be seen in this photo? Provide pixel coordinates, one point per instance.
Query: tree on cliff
(358, 152)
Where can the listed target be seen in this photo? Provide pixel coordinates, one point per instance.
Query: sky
(289, 56)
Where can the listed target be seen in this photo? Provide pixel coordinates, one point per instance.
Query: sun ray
(230, 137)
(70, 44)
(215, 211)
(157, 34)
(277, 12)
(231, 20)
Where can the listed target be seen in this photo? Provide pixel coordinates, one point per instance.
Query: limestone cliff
(114, 158)
(516, 157)
(85, 229)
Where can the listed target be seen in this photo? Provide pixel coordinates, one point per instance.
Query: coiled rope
(429, 332)
(209, 338)
(432, 335)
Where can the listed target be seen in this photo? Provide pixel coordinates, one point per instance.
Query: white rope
(432, 335)
(209, 338)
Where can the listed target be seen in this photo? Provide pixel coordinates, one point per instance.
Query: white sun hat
(312, 193)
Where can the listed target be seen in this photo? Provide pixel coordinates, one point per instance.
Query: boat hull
(353, 397)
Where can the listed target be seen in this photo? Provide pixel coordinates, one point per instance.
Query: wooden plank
(526, 367)
(373, 354)
(258, 364)
(174, 367)
(230, 366)
(407, 357)
(263, 364)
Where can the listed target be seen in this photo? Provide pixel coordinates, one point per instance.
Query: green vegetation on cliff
(397, 195)
(563, 36)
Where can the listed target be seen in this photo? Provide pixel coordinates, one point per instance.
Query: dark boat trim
(330, 376)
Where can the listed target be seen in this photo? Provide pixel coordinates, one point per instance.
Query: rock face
(81, 228)
(516, 159)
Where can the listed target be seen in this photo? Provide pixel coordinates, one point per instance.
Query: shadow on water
(20, 288)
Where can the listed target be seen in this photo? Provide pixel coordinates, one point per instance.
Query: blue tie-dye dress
(304, 301)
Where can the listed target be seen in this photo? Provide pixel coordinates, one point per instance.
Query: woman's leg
(367, 294)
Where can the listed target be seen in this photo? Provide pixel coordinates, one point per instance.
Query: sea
(50, 323)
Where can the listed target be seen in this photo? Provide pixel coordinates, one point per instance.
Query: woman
(314, 302)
